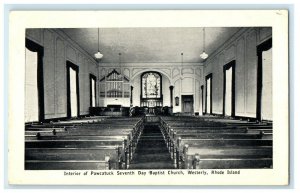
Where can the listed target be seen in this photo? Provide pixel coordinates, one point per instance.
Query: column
(171, 100)
(131, 89)
(171, 96)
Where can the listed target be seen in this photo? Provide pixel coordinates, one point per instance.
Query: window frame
(227, 66)
(76, 68)
(161, 89)
(34, 47)
(264, 46)
(209, 76)
(93, 77)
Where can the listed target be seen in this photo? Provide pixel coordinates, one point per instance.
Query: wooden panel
(49, 73)
(251, 75)
(60, 80)
(35, 35)
(209, 65)
(84, 83)
(230, 53)
(71, 54)
(265, 33)
(166, 91)
(197, 95)
(217, 85)
(187, 85)
(240, 78)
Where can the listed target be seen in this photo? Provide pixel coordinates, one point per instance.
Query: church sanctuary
(148, 98)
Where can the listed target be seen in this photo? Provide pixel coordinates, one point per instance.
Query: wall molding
(75, 45)
(226, 44)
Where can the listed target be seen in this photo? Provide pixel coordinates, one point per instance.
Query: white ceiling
(138, 45)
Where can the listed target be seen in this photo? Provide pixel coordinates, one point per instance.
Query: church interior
(148, 98)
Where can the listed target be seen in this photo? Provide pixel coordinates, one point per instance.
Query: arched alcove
(163, 97)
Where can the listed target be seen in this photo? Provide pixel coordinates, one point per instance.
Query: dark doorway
(187, 104)
(229, 89)
(208, 94)
(264, 81)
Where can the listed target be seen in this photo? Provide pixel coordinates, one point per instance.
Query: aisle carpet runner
(151, 152)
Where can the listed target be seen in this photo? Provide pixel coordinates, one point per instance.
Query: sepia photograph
(143, 101)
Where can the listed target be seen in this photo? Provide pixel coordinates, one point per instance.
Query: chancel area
(148, 98)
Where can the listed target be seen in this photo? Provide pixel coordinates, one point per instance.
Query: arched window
(151, 85)
(151, 89)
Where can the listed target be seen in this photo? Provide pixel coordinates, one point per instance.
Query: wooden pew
(67, 164)
(88, 137)
(223, 142)
(113, 147)
(231, 144)
(216, 124)
(71, 124)
(104, 157)
(222, 136)
(226, 157)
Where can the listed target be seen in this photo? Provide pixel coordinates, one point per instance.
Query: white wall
(57, 50)
(136, 92)
(242, 48)
(166, 90)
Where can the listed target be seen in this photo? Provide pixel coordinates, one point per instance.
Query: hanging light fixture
(98, 55)
(203, 55)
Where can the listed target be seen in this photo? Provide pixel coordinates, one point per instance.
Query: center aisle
(151, 152)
